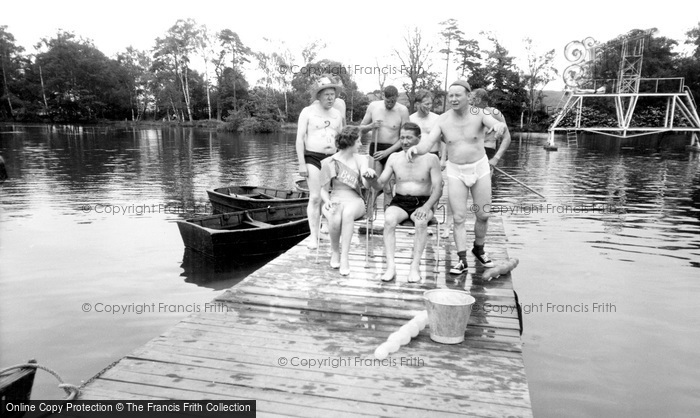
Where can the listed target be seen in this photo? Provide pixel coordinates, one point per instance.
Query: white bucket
(448, 314)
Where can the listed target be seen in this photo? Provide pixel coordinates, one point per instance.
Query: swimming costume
(490, 152)
(469, 174)
(315, 158)
(381, 147)
(408, 203)
(333, 169)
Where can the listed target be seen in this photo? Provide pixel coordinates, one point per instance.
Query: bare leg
(392, 217)
(351, 210)
(421, 238)
(334, 227)
(458, 195)
(481, 194)
(378, 168)
(313, 210)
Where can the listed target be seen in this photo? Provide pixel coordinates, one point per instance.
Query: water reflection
(217, 274)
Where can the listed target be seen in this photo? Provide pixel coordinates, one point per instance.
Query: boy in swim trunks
(418, 189)
(463, 128)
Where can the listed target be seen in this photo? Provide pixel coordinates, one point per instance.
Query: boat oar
(371, 197)
(518, 181)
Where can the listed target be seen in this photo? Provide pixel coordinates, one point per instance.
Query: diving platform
(636, 105)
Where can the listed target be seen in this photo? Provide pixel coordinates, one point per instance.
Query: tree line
(192, 74)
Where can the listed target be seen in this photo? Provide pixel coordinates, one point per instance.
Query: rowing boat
(302, 185)
(235, 198)
(246, 234)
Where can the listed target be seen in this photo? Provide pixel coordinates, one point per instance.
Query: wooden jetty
(299, 338)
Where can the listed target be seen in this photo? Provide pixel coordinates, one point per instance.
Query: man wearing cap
(318, 126)
(463, 128)
(386, 117)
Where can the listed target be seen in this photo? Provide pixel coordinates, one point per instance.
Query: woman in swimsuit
(342, 177)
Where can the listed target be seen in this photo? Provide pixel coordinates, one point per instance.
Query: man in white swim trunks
(463, 128)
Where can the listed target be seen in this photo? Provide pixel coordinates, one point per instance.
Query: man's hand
(303, 171)
(379, 155)
(410, 153)
(500, 129)
(369, 174)
(422, 213)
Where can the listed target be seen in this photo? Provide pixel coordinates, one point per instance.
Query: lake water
(608, 272)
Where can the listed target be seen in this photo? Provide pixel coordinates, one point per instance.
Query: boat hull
(246, 234)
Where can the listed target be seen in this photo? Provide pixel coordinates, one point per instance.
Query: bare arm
(378, 183)
(302, 126)
(492, 123)
(403, 111)
(367, 124)
(436, 180)
(425, 144)
(505, 143)
(435, 191)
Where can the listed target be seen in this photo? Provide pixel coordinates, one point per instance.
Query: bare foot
(324, 229)
(344, 267)
(389, 275)
(335, 260)
(414, 276)
(313, 244)
(345, 271)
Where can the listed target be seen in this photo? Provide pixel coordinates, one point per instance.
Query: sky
(360, 34)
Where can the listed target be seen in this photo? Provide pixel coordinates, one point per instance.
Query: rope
(71, 390)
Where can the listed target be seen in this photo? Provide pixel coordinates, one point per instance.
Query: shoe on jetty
(483, 258)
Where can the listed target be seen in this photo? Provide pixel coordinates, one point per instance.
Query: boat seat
(247, 220)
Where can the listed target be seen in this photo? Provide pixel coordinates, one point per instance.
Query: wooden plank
(243, 386)
(297, 308)
(268, 401)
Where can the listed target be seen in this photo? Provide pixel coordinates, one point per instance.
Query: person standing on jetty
(418, 189)
(463, 128)
(386, 117)
(318, 127)
(341, 181)
(480, 99)
(425, 119)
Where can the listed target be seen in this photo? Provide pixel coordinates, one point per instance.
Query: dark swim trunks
(315, 158)
(490, 152)
(408, 203)
(381, 147)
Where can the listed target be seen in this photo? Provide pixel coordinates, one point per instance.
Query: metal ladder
(571, 138)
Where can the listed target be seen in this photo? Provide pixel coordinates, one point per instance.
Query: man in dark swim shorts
(315, 158)
(384, 118)
(408, 203)
(418, 189)
(380, 147)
